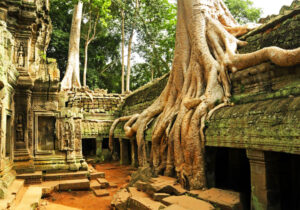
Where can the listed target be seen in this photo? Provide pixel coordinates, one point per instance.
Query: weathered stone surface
(144, 203)
(94, 184)
(31, 178)
(96, 175)
(65, 176)
(160, 196)
(113, 185)
(103, 182)
(140, 200)
(225, 199)
(188, 202)
(164, 184)
(175, 207)
(82, 184)
(101, 192)
(120, 199)
(140, 185)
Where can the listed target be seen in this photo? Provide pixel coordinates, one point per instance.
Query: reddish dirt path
(86, 200)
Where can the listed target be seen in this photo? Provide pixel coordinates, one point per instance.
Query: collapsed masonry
(252, 147)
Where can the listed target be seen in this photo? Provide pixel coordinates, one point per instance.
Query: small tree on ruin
(205, 52)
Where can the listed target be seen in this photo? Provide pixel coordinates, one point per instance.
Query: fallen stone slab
(141, 200)
(103, 182)
(164, 184)
(225, 199)
(136, 193)
(101, 192)
(188, 202)
(174, 207)
(160, 196)
(142, 186)
(144, 203)
(80, 184)
(96, 175)
(120, 200)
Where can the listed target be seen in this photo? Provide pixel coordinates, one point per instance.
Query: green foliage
(156, 25)
(104, 67)
(243, 10)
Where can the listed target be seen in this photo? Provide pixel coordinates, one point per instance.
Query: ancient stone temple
(252, 148)
(38, 133)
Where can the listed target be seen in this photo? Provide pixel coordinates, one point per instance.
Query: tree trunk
(86, 47)
(123, 52)
(128, 62)
(72, 75)
(205, 52)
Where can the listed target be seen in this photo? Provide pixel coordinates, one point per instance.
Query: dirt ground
(86, 200)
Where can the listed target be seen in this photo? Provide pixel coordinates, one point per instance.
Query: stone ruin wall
(98, 109)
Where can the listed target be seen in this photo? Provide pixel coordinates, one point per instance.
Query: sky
(270, 7)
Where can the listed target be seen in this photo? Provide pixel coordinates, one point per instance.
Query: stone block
(101, 192)
(160, 196)
(120, 200)
(225, 199)
(96, 175)
(188, 202)
(94, 184)
(113, 185)
(81, 184)
(103, 182)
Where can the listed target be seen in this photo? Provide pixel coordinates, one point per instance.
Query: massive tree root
(198, 85)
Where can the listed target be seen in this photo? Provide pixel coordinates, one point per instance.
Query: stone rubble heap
(165, 193)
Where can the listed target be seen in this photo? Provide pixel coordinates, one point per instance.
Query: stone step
(100, 192)
(78, 184)
(96, 175)
(187, 202)
(65, 176)
(103, 182)
(31, 199)
(94, 184)
(31, 178)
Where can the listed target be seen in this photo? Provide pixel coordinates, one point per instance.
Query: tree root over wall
(205, 52)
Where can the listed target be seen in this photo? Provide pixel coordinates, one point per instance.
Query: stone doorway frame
(38, 114)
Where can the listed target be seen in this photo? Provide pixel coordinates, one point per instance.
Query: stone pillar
(22, 158)
(264, 180)
(124, 159)
(133, 153)
(99, 141)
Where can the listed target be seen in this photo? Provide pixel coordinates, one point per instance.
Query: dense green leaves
(243, 10)
(154, 24)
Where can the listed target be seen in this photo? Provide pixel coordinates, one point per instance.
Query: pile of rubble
(165, 193)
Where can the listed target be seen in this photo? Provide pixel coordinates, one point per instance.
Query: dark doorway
(105, 143)
(229, 169)
(89, 147)
(289, 171)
